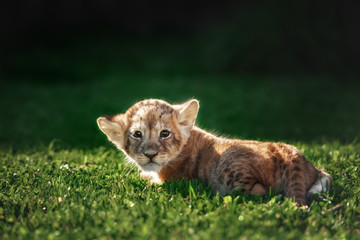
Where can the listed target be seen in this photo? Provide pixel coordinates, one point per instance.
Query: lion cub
(165, 144)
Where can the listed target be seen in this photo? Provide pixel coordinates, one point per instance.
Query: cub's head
(151, 132)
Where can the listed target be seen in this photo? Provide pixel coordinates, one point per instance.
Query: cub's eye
(137, 134)
(164, 134)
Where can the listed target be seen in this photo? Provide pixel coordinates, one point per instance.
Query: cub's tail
(322, 184)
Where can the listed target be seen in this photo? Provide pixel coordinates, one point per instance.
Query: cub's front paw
(152, 177)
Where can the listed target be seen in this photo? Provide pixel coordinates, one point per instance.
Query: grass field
(61, 179)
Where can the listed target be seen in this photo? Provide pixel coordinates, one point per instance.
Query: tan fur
(192, 153)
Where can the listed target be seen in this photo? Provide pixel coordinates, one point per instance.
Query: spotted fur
(192, 153)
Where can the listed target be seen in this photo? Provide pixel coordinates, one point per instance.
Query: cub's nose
(150, 153)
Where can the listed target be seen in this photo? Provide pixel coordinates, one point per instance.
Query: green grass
(48, 192)
(61, 179)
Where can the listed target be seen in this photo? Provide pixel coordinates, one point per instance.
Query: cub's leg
(237, 170)
(231, 176)
(258, 189)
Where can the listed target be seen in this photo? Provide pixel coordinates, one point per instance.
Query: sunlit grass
(50, 192)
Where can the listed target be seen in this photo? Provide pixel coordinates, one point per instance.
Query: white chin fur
(151, 167)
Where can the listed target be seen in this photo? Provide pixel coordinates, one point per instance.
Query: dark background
(270, 70)
(302, 37)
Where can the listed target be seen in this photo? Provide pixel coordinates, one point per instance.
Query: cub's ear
(188, 113)
(114, 128)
